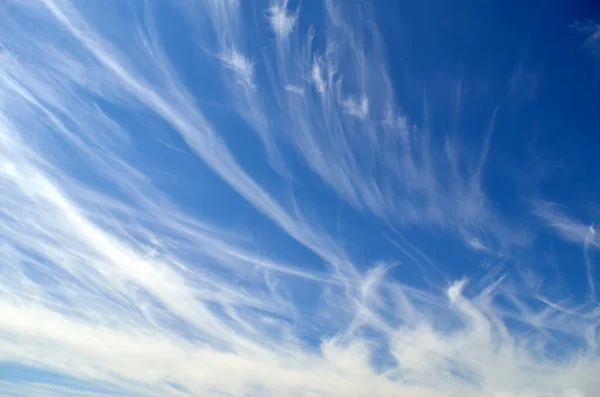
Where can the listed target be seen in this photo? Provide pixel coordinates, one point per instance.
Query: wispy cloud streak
(332, 99)
(573, 231)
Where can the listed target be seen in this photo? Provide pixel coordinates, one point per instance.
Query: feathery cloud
(111, 279)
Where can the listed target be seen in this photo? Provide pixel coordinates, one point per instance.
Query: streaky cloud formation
(168, 175)
(282, 21)
(592, 29)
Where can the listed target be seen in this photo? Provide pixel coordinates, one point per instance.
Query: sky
(299, 198)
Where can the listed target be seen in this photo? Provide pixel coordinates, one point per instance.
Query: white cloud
(574, 231)
(281, 21)
(477, 245)
(317, 76)
(9, 169)
(241, 66)
(569, 228)
(195, 129)
(294, 88)
(106, 279)
(592, 30)
(356, 108)
(589, 266)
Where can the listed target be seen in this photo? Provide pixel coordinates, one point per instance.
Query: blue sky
(283, 198)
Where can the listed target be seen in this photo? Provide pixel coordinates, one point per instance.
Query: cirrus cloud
(114, 283)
